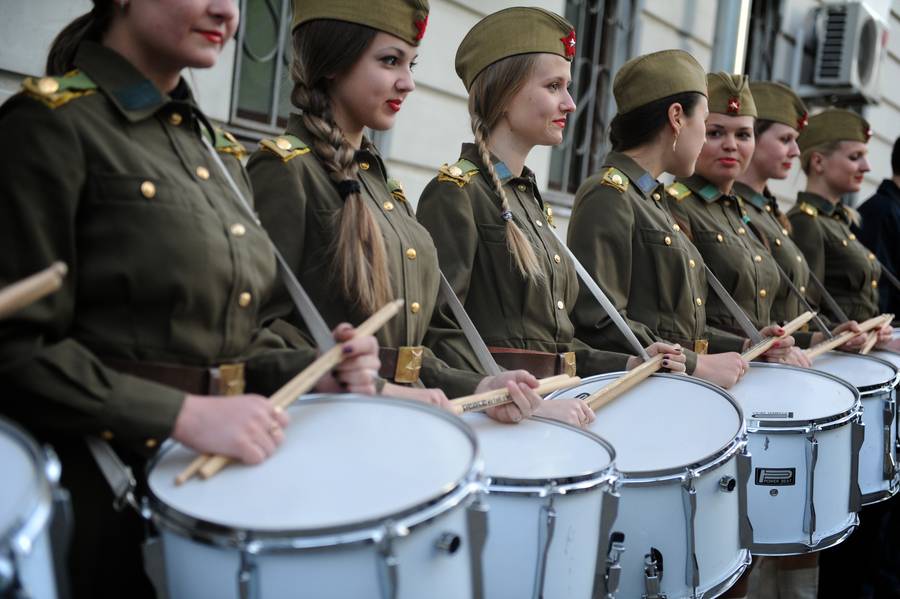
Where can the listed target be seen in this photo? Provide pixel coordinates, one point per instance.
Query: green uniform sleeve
(54, 383)
(807, 234)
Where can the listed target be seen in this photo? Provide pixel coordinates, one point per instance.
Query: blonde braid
(522, 251)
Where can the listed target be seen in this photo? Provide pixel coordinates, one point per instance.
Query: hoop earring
(675, 141)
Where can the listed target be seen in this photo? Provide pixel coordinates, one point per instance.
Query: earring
(675, 141)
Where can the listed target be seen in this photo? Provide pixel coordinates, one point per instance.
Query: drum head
(538, 450)
(344, 460)
(887, 356)
(20, 491)
(666, 423)
(796, 394)
(863, 372)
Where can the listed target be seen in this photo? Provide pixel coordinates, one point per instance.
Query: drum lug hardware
(248, 583)
(890, 464)
(448, 542)
(608, 571)
(745, 527)
(809, 512)
(9, 581)
(857, 436)
(388, 566)
(727, 484)
(546, 528)
(689, 501)
(613, 567)
(653, 574)
(477, 529)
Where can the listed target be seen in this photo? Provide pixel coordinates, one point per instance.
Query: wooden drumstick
(600, 398)
(208, 466)
(30, 289)
(497, 397)
(865, 327)
(871, 340)
(789, 329)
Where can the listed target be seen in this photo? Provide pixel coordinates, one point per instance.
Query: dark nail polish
(347, 349)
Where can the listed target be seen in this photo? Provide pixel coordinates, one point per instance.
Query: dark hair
(322, 49)
(760, 126)
(89, 26)
(644, 123)
(895, 157)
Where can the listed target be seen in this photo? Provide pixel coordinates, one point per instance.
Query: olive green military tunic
(714, 222)
(102, 171)
(622, 233)
(461, 209)
(845, 266)
(298, 204)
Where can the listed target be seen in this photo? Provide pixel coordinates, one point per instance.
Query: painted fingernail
(347, 349)
(342, 384)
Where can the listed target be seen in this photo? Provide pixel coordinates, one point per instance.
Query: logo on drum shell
(776, 477)
(770, 415)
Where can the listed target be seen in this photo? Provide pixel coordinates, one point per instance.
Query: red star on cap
(569, 43)
(734, 105)
(802, 121)
(421, 25)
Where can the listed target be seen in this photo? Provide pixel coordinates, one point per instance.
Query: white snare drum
(26, 507)
(366, 498)
(805, 429)
(551, 508)
(679, 450)
(875, 380)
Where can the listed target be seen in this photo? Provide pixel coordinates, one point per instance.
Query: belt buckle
(409, 363)
(568, 363)
(701, 346)
(230, 378)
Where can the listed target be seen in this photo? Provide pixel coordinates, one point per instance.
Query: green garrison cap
(835, 124)
(655, 76)
(730, 94)
(511, 32)
(777, 102)
(406, 19)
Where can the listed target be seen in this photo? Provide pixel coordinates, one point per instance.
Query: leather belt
(224, 379)
(401, 364)
(540, 364)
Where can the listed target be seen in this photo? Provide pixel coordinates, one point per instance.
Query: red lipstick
(394, 105)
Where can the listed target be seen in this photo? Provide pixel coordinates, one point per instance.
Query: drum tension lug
(613, 557)
(247, 581)
(388, 574)
(653, 573)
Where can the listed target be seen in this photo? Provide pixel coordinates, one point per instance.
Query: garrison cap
(511, 32)
(655, 76)
(406, 19)
(778, 103)
(835, 124)
(730, 94)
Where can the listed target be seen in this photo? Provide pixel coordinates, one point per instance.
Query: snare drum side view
(680, 454)
(26, 507)
(805, 433)
(552, 505)
(387, 508)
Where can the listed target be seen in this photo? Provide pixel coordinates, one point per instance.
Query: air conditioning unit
(850, 45)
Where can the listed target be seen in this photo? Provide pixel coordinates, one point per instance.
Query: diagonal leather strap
(482, 353)
(733, 308)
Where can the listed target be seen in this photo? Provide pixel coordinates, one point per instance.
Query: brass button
(871, 256)
(415, 307)
(244, 299)
(175, 118)
(691, 263)
(757, 258)
(539, 224)
(48, 85)
(411, 253)
(617, 179)
(364, 166)
(799, 257)
(388, 206)
(699, 301)
(668, 240)
(151, 443)
(238, 230)
(727, 203)
(802, 289)
(107, 435)
(768, 208)
(455, 171)
(657, 197)
(741, 231)
(148, 189)
(777, 242)
(720, 238)
(784, 231)
(283, 143)
(203, 172)
(874, 284)
(852, 237)
(521, 187)
(561, 305)
(762, 293)
(844, 242)
(676, 227)
(556, 258)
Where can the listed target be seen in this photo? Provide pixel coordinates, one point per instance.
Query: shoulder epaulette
(286, 147)
(459, 173)
(615, 178)
(56, 91)
(396, 189)
(228, 144)
(808, 209)
(678, 191)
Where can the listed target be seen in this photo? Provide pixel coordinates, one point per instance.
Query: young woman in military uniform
(490, 225)
(347, 230)
(106, 168)
(713, 218)
(833, 157)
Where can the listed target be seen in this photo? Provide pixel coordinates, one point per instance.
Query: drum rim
(868, 390)
(677, 473)
(26, 528)
(755, 425)
(363, 531)
(564, 485)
